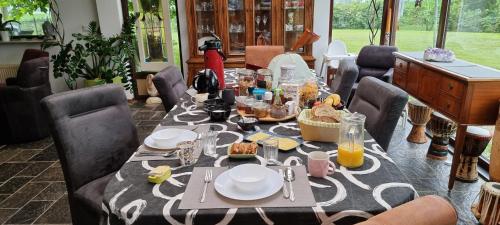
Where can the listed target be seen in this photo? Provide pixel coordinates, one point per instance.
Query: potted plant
(96, 58)
(5, 28)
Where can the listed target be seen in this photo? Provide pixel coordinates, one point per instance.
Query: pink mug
(319, 164)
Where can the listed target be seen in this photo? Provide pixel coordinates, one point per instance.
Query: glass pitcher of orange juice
(351, 140)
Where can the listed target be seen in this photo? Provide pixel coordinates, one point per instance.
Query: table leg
(459, 144)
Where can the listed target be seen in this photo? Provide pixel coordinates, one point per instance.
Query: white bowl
(164, 137)
(249, 177)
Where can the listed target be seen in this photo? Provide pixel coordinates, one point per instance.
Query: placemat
(196, 128)
(191, 197)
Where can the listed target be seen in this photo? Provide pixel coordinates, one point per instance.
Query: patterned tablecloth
(346, 197)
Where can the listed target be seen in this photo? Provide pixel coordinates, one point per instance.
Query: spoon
(290, 176)
(285, 190)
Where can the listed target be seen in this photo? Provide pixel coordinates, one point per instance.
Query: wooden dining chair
(170, 85)
(257, 57)
(94, 135)
(382, 104)
(427, 210)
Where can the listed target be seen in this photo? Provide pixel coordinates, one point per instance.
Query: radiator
(7, 70)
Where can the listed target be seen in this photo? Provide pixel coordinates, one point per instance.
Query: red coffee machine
(214, 58)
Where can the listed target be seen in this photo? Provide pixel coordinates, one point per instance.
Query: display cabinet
(241, 23)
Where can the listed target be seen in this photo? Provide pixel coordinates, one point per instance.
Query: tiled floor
(32, 187)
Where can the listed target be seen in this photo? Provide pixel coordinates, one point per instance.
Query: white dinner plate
(185, 135)
(225, 186)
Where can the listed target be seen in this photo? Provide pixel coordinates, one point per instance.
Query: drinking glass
(209, 140)
(270, 146)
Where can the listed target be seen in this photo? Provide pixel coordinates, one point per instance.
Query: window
(417, 24)
(473, 31)
(350, 25)
(29, 18)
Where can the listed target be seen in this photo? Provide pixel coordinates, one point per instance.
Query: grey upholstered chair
(21, 116)
(376, 61)
(171, 86)
(94, 134)
(344, 80)
(382, 104)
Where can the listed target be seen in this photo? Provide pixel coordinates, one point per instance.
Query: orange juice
(350, 158)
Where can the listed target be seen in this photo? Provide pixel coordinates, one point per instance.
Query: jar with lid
(246, 79)
(278, 109)
(265, 76)
(260, 109)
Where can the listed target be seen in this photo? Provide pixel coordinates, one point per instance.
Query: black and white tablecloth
(346, 197)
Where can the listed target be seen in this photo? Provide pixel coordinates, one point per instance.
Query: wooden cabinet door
(428, 86)
(262, 22)
(294, 17)
(203, 19)
(413, 78)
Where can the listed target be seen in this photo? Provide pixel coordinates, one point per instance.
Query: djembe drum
(419, 115)
(476, 140)
(487, 210)
(442, 128)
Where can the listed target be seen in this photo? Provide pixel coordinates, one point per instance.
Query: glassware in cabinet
(236, 26)
(205, 20)
(294, 22)
(263, 22)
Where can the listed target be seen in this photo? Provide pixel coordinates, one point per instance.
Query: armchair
(21, 116)
(376, 61)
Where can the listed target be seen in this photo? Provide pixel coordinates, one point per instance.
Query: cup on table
(209, 142)
(198, 99)
(228, 96)
(319, 164)
(270, 146)
(186, 152)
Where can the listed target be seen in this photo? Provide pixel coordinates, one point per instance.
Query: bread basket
(315, 130)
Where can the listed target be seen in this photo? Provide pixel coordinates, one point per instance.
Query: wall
(321, 27)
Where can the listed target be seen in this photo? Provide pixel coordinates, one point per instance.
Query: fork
(208, 179)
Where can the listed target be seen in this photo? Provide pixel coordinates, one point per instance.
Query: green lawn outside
(480, 48)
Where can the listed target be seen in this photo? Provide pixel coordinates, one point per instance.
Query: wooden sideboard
(466, 93)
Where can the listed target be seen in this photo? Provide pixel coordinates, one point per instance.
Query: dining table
(347, 196)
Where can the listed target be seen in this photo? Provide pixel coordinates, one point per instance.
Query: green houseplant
(96, 58)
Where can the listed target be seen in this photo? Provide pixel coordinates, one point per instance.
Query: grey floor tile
(24, 195)
(5, 214)
(34, 169)
(58, 213)
(24, 155)
(13, 184)
(53, 192)
(8, 170)
(51, 174)
(30, 212)
(49, 154)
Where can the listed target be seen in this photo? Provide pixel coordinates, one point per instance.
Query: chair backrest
(257, 57)
(170, 84)
(374, 56)
(33, 54)
(33, 72)
(382, 104)
(345, 77)
(337, 47)
(302, 71)
(93, 131)
(427, 210)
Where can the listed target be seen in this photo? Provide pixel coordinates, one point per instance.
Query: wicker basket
(317, 131)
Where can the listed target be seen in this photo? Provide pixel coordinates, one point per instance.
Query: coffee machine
(214, 58)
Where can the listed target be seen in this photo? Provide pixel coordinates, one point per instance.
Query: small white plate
(185, 135)
(225, 186)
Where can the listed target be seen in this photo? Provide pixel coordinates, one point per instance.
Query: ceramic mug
(319, 164)
(198, 99)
